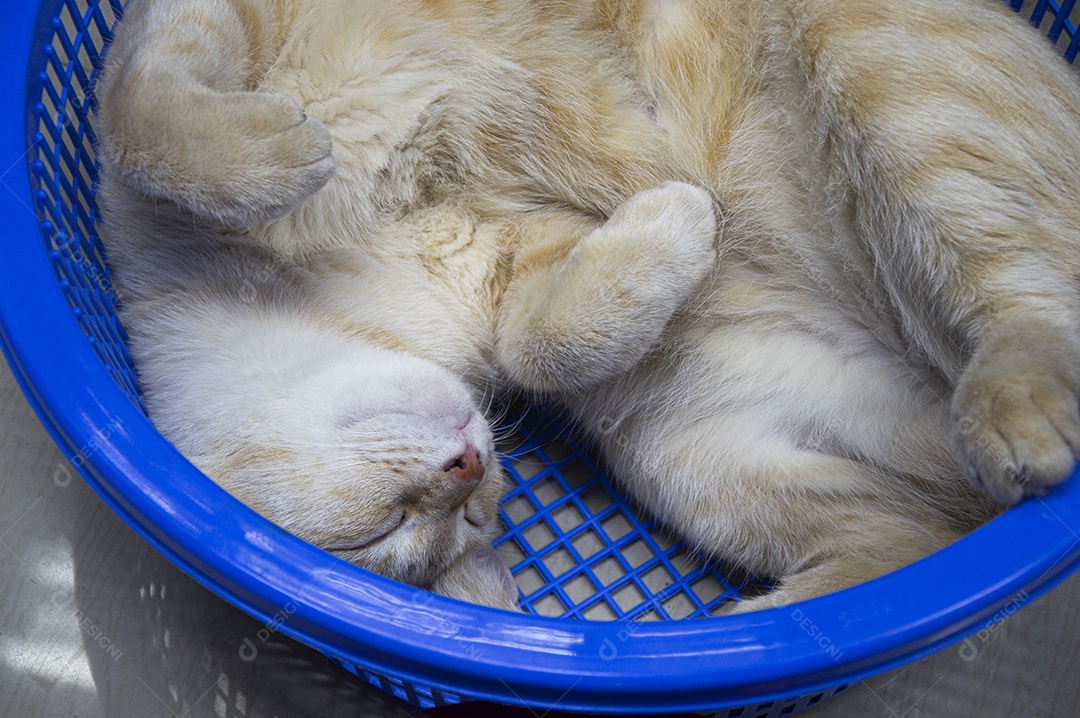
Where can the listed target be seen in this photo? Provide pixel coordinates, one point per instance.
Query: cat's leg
(178, 119)
(776, 432)
(959, 132)
(584, 309)
(870, 545)
(812, 521)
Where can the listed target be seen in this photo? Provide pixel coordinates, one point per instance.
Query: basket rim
(466, 650)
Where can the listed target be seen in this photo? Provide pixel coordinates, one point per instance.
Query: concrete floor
(94, 623)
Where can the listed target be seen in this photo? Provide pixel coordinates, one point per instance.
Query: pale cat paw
(280, 157)
(1016, 425)
(479, 576)
(259, 156)
(597, 313)
(679, 223)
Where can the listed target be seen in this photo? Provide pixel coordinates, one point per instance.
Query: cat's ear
(479, 576)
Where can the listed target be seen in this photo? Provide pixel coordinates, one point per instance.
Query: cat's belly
(773, 376)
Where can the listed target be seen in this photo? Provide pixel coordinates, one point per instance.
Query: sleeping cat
(805, 271)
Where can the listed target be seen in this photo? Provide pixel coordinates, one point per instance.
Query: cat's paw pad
(1017, 432)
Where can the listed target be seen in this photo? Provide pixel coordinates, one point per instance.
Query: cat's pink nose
(467, 468)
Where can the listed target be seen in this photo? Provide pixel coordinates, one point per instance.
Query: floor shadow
(158, 643)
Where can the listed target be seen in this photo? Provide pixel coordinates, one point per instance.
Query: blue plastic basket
(579, 552)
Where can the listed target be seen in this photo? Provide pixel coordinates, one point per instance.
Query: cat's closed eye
(369, 540)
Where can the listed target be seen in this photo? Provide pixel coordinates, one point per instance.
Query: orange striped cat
(807, 271)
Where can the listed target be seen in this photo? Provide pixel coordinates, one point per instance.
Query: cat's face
(378, 457)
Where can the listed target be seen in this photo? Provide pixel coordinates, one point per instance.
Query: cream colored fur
(797, 266)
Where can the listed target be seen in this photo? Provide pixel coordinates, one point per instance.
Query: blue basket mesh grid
(1056, 19)
(576, 549)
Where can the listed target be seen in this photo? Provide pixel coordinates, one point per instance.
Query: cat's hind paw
(1016, 427)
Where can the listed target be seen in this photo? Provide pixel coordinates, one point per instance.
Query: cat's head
(382, 459)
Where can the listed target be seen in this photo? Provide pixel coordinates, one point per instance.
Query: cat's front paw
(479, 576)
(276, 158)
(1015, 425)
(236, 158)
(595, 314)
(670, 231)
